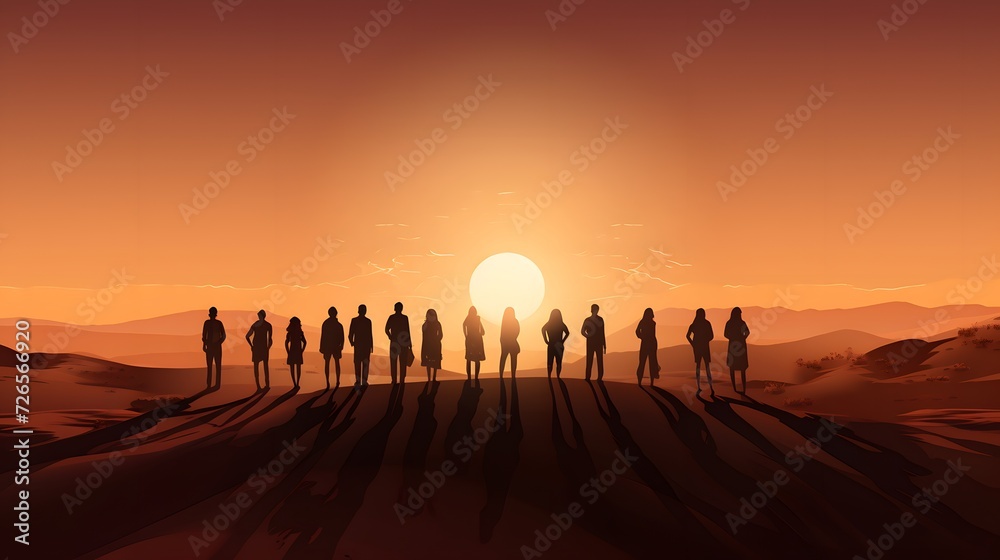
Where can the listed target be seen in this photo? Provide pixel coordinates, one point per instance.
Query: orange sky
(655, 186)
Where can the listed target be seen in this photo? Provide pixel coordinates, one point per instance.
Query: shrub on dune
(801, 402)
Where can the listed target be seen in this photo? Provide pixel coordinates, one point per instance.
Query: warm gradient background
(654, 188)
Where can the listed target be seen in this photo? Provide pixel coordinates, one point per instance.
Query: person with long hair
(645, 331)
(509, 330)
(555, 333)
(699, 334)
(430, 347)
(475, 350)
(295, 346)
(737, 332)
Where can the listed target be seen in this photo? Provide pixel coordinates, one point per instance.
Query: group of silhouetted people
(555, 333)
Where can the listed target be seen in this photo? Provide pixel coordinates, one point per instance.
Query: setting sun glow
(506, 280)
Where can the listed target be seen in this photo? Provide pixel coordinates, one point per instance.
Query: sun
(506, 280)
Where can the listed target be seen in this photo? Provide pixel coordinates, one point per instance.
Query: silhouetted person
(646, 331)
(509, 329)
(331, 344)
(360, 337)
(555, 333)
(475, 350)
(397, 328)
(260, 339)
(699, 335)
(430, 345)
(597, 345)
(737, 332)
(213, 334)
(295, 345)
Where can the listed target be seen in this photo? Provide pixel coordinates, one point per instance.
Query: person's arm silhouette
(248, 337)
(270, 336)
(565, 333)
(351, 332)
(690, 335)
(222, 333)
(545, 335)
(204, 337)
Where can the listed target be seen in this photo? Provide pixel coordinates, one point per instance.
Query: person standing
(397, 328)
(597, 345)
(509, 330)
(430, 345)
(555, 333)
(331, 344)
(475, 350)
(295, 345)
(361, 339)
(699, 335)
(213, 334)
(737, 332)
(646, 332)
(260, 339)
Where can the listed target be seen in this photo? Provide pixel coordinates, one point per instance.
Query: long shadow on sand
(318, 535)
(86, 443)
(691, 430)
(500, 459)
(688, 534)
(307, 506)
(179, 484)
(460, 429)
(419, 444)
(578, 468)
(207, 418)
(887, 469)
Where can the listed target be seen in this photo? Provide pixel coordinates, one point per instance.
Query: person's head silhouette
(212, 312)
(362, 309)
(333, 312)
(473, 312)
(594, 309)
(555, 318)
(508, 315)
(737, 314)
(261, 314)
(432, 316)
(699, 315)
(294, 325)
(398, 307)
(647, 315)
